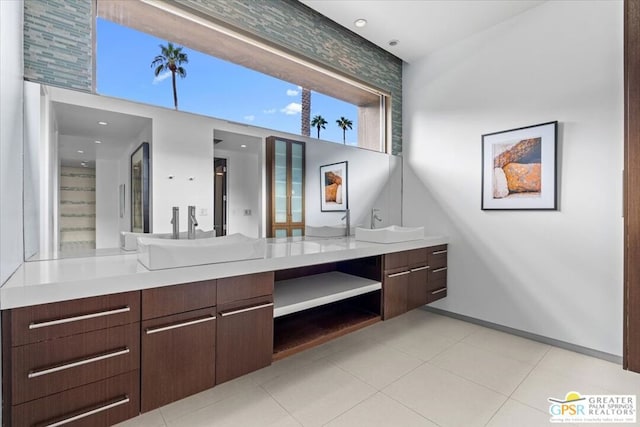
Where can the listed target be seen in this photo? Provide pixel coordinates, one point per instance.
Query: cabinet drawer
(417, 257)
(59, 319)
(232, 289)
(178, 357)
(437, 294)
(437, 274)
(98, 404)
(175, 299)
(437, 256)
(49, 367)
(395, 261)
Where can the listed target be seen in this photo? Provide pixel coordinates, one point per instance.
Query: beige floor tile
(486, 368)
(508, 345)
(149, 419)
(595, 371)
(208, 397)
(380, 411)
(445, 398)
(514, 413)
(374, 363)
(252, 408)
(542, 384)
(447, 327)
(318, 392)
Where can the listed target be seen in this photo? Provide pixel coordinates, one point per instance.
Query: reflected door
(220, 196)
(285, 180)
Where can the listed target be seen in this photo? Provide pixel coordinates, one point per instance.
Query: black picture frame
(334, 196)
(139, 185)
(520, 168)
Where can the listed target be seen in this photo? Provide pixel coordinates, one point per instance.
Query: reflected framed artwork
(334, 182)
(519, 168)
(140, 189)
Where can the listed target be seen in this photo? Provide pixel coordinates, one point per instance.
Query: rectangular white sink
(157, 254)
(129, 240)
(390, 234)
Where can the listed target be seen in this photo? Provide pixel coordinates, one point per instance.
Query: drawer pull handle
(124, 400)
(34, 374)
(444, 251)
(413, 270)
(439, 290)
(438, 270)
(77, 318)
(179, 325)
(244, 310)
(402, 273)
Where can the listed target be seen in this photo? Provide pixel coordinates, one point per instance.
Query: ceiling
(78, 129)
(419, 26)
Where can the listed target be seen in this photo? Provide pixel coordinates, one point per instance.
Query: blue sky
(213, 87)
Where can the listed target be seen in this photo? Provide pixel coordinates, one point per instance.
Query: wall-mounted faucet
(347, 216)
(175, 221)
(374, 217)
(193, 223)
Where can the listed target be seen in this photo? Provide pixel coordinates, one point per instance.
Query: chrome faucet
(193, 223)
(175, 221)
(347, 216)
(374, 217)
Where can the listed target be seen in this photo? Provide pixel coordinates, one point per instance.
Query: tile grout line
(280, 404)
(409, 408)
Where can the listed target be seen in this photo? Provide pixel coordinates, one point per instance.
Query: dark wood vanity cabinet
(244, 325)
(412, 279)
(178, 342)
(72, 362)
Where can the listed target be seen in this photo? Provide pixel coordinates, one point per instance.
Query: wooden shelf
(303, 293)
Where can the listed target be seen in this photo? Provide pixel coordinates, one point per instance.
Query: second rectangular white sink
(390, 234)
(156, 254)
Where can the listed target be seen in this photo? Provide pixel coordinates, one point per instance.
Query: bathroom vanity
(94, 341)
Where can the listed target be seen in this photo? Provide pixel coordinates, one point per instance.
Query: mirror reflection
(78, 175)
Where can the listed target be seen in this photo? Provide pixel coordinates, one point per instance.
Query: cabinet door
(245, 338)
(394, 293)
(178, 356)
(418, 291)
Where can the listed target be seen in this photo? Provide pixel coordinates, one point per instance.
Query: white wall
(557, 274)
(107, 204)
(11, 137)
(243, 192)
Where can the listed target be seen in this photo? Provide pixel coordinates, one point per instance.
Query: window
(229, 76)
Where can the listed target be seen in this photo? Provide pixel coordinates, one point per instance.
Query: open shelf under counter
(303, 293)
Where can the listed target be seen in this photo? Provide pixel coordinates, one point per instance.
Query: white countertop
(43, 282)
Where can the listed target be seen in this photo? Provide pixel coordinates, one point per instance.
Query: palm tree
(306, 112)
(344, 124)
(171, 59)
(318, 122)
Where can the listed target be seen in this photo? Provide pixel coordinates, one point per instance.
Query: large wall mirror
(79, 191)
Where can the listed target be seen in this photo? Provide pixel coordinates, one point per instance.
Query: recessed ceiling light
(80, 151)
(393, 42)
(243, 145)
(97, 142)
(360, 22)
(102, 123)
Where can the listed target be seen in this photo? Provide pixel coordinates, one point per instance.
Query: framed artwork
(519, 168)
(140, 189)
(334, 182)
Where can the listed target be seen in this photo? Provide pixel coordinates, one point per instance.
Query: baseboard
(534, 337)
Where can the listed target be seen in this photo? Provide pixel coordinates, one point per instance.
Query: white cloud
(250, 118)
(292, 92)
(269, 111)
(160, 77)
(292, 109)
